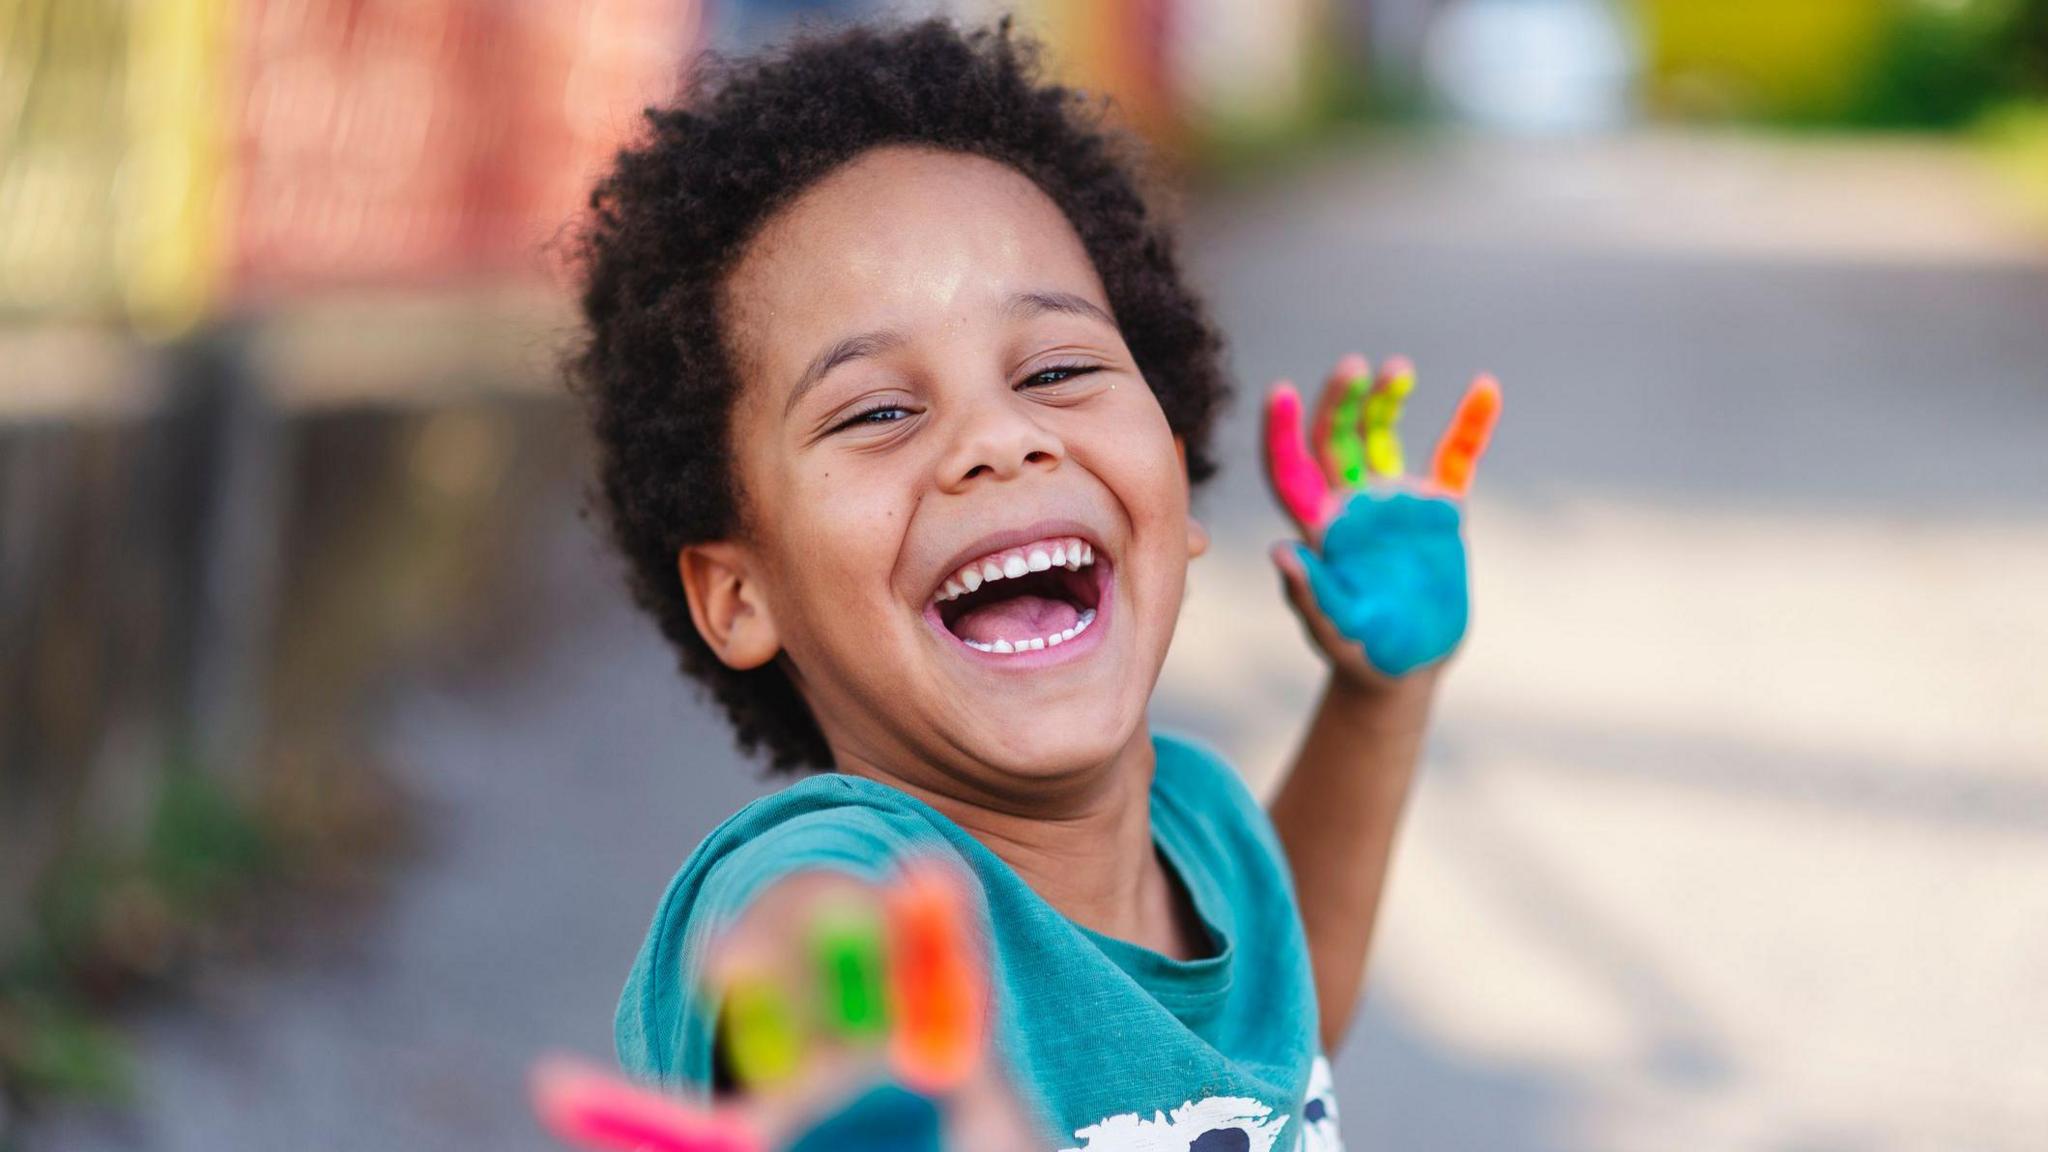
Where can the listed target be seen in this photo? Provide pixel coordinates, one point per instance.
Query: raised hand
(853, 1019)
(1380, 580)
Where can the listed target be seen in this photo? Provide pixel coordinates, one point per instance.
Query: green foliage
(1944, 63)
(203, 845)
(111, 918)
(53, 1048)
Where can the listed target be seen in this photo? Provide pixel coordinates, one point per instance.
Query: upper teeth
(1069, 552)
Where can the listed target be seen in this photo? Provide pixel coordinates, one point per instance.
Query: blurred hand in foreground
(854, 1018)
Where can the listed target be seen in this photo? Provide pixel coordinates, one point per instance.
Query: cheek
(843, 531)
(1139, 463)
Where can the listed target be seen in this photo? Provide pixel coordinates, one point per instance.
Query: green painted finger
(1382, 414)
(848, 943)
(762, 1039)
(1346, 450)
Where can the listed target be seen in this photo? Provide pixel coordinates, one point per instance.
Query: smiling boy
(901, 399)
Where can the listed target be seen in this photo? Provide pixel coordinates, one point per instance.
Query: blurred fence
(275, 390)
(213, 573)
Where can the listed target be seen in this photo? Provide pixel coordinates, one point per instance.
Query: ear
(1198, 535)
(726, 603)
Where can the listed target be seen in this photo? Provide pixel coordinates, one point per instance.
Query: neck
(1086, 849)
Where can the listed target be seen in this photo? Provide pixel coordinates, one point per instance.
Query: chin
(1044, 744)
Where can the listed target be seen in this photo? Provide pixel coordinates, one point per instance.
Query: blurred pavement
(1734, 832)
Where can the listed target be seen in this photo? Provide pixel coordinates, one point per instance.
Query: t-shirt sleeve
(664, 1027)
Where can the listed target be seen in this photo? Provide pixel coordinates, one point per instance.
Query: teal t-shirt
(1122, 1048)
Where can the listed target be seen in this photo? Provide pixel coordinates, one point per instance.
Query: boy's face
(986, 410)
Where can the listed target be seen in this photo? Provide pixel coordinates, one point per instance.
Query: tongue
(1016, 618)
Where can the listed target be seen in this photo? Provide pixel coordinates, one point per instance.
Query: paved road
(1735, 826)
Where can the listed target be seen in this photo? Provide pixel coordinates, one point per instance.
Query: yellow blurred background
(338, 777)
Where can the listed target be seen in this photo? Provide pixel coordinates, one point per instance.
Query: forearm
(1337, 812)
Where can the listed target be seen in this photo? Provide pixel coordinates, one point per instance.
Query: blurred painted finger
(1457, 455)
(1382, 418)
(1345, 448)
(936, 983)
(587, 1108)
(1297, 480)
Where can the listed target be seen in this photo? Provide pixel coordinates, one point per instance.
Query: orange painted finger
(936, 982)
(1457, 455)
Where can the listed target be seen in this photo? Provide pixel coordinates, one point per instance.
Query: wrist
(1397, 704)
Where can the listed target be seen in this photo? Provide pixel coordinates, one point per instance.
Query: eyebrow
(1021, 306)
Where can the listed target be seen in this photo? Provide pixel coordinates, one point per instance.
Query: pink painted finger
(1457, 455)
(587, 1108)
(1297, 480)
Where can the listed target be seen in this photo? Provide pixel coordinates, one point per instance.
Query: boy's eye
(1056, 374)
(878, 414)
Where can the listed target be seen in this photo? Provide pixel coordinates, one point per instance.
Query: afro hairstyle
(744, 138)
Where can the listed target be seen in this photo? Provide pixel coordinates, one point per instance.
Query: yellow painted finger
(1383, 415)
(763, 1039)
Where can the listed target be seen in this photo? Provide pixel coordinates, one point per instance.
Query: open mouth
(1024, 599)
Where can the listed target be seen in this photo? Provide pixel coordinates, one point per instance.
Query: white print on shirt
(1319, 1112)
(1220, 1124)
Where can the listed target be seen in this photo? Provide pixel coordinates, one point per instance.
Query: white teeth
(1068, 552)
(1038, 643)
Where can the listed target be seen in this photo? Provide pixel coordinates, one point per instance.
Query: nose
(997, 440)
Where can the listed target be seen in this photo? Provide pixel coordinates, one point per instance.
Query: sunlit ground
(1735, 829)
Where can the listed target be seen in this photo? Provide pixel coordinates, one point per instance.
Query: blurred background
(338, 778)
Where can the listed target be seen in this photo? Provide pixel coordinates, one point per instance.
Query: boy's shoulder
(1185, 766)
(1198, 795)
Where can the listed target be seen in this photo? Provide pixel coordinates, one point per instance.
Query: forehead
(901, 237)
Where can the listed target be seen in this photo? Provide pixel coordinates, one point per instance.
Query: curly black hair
(745, 138)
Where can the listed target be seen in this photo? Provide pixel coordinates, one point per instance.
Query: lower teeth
(1037, 642)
